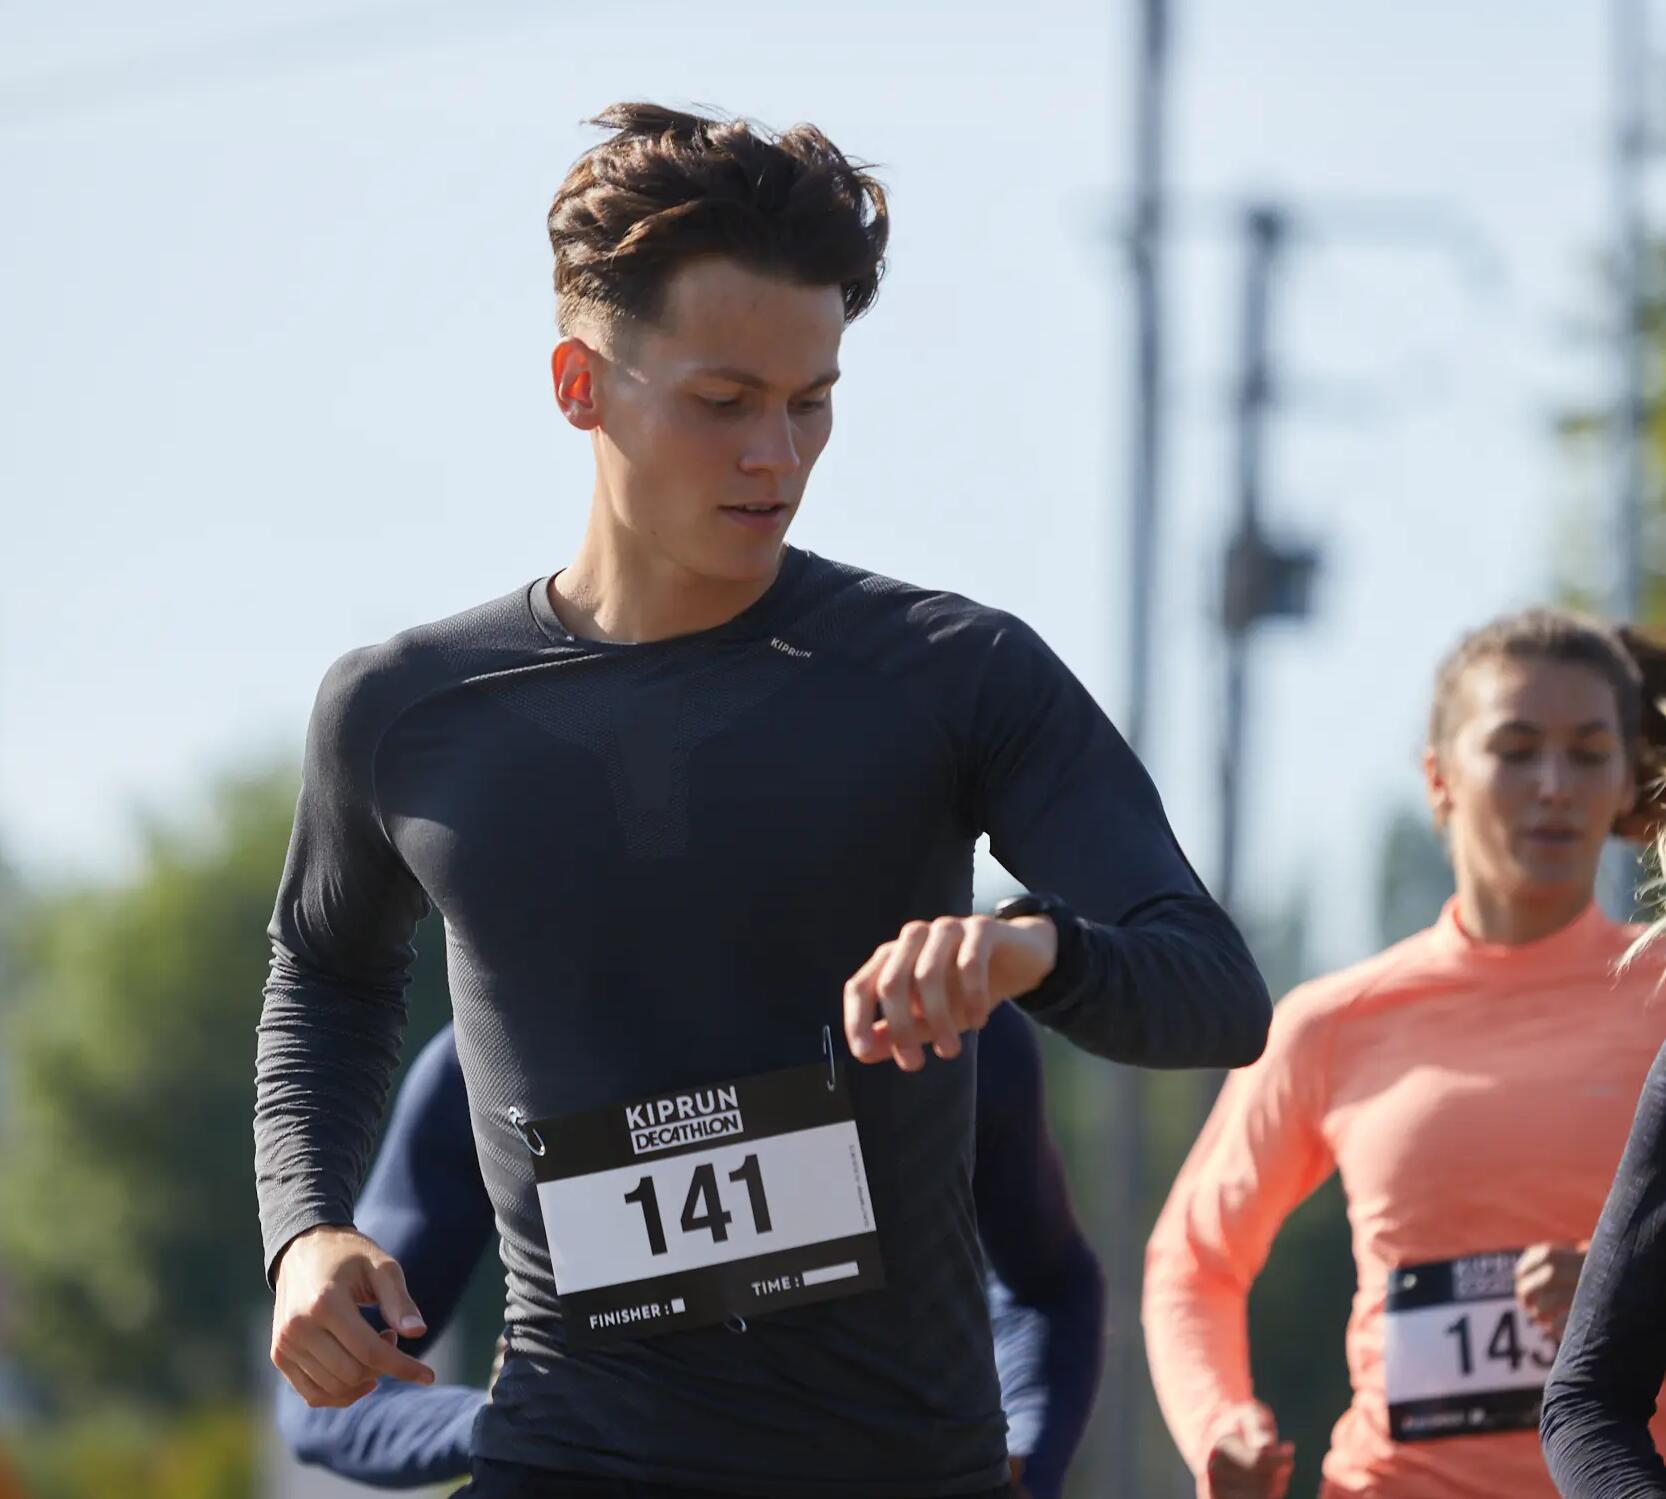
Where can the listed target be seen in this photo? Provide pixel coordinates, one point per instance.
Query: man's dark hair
(668, 188)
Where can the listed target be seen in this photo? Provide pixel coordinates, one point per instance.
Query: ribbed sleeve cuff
(1062, 987)
(280, 1231)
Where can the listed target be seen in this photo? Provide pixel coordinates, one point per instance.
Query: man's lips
(757, 517)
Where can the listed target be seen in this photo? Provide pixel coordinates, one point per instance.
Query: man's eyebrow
(757, 382)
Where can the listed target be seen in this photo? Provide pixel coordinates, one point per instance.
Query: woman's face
(1531, 778)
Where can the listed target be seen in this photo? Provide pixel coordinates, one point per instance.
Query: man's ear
(574, 366)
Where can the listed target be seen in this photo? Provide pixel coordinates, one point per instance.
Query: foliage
(209, 1454)
(128, 1234)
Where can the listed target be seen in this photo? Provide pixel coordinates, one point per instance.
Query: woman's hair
(1648, 823)
(1648, 652)
(670, 187)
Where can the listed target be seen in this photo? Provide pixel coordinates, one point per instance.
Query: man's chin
(750, 560)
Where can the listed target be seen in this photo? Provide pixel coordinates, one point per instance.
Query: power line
(250, 56)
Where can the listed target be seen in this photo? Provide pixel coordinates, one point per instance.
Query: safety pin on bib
(528, 1132)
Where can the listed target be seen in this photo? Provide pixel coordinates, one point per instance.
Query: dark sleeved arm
(1602, 1391)
(400, 1436)
(1150, 971)
(427, 1206)
(334, 1012)
(1048, 1340)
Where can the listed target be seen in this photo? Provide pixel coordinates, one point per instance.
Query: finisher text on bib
(688, 1208)
(1459, 1353)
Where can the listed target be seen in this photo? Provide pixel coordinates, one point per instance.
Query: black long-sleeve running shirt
(657, 865)
(1609, 1370)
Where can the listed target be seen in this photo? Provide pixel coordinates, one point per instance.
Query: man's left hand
(938, 979)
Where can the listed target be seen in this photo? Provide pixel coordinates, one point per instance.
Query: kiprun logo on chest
(683, 1119)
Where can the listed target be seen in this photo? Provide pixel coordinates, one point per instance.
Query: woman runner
(1472, 1084)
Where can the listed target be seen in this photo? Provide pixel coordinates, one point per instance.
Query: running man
(699, 813)
(1473, 1086)
(426, 1205)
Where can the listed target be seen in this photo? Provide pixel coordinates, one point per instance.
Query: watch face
(1021, 905)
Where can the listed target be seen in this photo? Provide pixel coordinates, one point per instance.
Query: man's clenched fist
(937, 979)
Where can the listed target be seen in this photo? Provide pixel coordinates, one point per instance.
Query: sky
(275, 290)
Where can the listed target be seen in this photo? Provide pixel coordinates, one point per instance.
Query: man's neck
(616, 593)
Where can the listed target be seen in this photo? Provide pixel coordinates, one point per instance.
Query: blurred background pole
(1631, 148)
(1261, 579)
(1145, 246)
(1248, 556)
(1632, 143)
(1115, 1115)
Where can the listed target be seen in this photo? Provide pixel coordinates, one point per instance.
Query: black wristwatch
(1068, 959)
(1034, 903)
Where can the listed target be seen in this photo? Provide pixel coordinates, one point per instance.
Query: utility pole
(1262, 580)
(1111, 1464)
(1265, 578)
(1632, 145)
(1145, 245)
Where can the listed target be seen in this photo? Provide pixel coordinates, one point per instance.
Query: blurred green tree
(128, 1233)
(207, 1454)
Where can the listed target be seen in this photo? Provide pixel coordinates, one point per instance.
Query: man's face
(710, 418)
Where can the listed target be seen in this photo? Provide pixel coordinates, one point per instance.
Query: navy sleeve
(425, 1202)
(427, 1206)
(1036, 1248)
(400, 1436)
(1150, 971)
(1602, 1392)
(334, 1011)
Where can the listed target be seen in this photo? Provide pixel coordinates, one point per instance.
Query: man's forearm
(324, 1059)
(1594, 1451)
(1172, 985)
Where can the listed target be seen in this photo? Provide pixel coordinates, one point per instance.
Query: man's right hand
(1248, 1461)
(321, 1342)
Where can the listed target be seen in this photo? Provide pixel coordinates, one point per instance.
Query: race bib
(695, 1207)
(1460, 1355)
